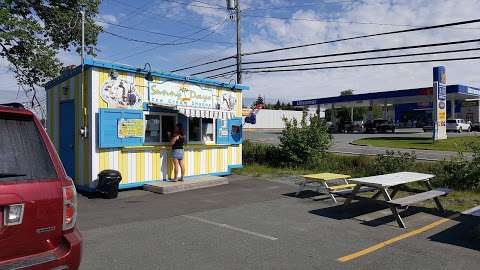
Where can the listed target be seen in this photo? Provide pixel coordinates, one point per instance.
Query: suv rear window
(23, 155)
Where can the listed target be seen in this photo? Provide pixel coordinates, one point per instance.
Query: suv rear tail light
(13, 214)
(69, 207)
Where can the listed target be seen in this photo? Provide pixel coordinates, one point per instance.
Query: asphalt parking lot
(257, 224)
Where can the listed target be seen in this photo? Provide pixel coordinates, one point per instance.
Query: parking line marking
(396, 239)
(231, 227)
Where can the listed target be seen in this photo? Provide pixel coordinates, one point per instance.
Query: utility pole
(83, 121)
(234, 5)
(82, 11)
(239, 44)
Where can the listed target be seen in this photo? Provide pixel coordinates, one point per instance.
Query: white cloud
(310, 84)
(104, 19)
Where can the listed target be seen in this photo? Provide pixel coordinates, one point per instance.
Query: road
(257, 224)
(342, 143)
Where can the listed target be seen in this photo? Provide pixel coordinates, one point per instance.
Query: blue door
(67, 136)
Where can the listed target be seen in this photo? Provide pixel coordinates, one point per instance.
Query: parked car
(458, 125)
(475, 126)
(38, 201)
(379, 125)
(427, 128)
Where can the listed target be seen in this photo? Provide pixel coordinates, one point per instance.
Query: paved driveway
(256, 224)
(342, 142)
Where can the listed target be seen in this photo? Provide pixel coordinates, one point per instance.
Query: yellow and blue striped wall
(136, 164)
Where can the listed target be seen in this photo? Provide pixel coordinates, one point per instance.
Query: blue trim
(65, 76)
(451, 89)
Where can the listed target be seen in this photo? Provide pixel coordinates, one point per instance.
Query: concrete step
(165, 187)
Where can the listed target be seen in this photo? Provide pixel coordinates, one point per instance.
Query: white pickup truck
(458, 125)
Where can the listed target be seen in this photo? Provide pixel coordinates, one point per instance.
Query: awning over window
(205, 113)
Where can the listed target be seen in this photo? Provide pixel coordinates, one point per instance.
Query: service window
(158, 127)
(168, 126)
(152, 130)
(201, 130)
(194, 129)
(207, 130)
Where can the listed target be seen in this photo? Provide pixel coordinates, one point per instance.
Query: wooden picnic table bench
(382, 183)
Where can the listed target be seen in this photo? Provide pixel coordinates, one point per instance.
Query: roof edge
(122, 67)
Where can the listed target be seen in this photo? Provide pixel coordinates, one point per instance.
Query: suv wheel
(460, 130)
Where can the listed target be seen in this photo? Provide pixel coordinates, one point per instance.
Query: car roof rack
(13, 104)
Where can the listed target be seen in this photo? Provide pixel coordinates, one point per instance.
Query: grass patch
(455, 201)
(451, 144)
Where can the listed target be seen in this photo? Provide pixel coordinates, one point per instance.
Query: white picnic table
(393, 181)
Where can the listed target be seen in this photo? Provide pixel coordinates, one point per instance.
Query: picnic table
(388, 185)
(321, 182)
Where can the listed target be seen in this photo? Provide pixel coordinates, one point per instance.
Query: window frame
(202, 141)
(160, 114)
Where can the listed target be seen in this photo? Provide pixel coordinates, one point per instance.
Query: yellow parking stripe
(396, 239)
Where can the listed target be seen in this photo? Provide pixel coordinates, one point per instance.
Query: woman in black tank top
(177, 140)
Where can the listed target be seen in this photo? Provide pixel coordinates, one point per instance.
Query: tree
(258, 101)
(33, 32)
(347, 92)
(277, 105)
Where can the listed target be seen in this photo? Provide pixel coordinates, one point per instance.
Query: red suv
(38, 201)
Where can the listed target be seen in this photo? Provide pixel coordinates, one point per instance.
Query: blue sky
(297, 22)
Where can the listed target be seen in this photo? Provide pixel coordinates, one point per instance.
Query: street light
(148, 76)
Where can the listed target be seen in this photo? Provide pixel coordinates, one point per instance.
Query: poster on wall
(439, 103)
(128, 128)
(170, 93)
(120, 93)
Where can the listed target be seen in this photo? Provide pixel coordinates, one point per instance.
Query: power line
(221, 74)
(365, 36)
(198, 39)
(365, 65)
(341, 61)
(214, 69)
(158, 33)
(349, 22)
(361, 59)
(366, 51)
(196, 60)
(343, 39)
(206, 63)
(206, 5)
(296, 6)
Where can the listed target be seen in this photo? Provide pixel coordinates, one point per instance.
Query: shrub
(304, 143)
(462, 173)
(261, 154)
(390, 163)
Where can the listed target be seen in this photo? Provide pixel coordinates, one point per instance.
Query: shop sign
(171, 93)
(439, 96)
(130, 128)
(120, 93)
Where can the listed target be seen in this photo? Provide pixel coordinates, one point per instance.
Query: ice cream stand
(114, 116)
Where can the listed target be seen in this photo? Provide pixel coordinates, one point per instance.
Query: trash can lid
(110, 173)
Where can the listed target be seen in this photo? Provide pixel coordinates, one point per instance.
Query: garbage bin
(108, 183)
